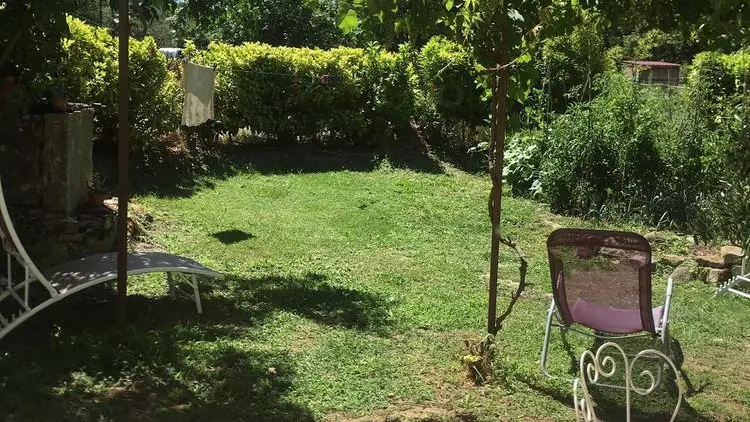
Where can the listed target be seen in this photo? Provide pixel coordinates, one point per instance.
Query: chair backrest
(604, 272)
(11, 244)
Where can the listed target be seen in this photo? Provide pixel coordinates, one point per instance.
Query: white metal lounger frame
(743, 277)
(14, 250)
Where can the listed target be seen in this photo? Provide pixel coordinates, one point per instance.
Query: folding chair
(601, 280)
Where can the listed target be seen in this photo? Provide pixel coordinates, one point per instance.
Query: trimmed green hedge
(340, 96)
(90, 76)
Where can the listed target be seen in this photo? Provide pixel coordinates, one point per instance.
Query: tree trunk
(122, 166)
(500, 80)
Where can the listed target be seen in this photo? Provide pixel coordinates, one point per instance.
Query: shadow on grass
(230, 237)
(73, 362)
(610, 404)
(313, 298)
(181, 173)
(86, 368)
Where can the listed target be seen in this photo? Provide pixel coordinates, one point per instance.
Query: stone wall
(46, 163)
(47, 160)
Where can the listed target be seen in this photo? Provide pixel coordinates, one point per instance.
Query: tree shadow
(88, 368)
(230, 237)
(312, 297)
(74, 362)
(180, 173)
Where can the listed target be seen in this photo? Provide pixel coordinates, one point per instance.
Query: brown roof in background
(648, 63)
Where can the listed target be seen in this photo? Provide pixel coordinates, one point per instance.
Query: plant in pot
(97, 195)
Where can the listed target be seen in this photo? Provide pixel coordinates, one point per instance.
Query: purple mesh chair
(601, 280)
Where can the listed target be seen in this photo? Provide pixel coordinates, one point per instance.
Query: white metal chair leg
(170, 286)
(197, 294)
(545, 345)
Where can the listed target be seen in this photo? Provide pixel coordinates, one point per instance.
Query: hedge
(90, 75)
(342, 96)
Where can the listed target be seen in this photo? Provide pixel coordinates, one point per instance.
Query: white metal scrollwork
(601, 367)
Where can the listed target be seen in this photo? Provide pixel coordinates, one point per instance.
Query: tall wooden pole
(123, 137)
(500, 80)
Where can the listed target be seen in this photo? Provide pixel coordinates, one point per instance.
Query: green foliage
(90, 74)
(633, 152)
(337, 96)
(724, 215)
(523, 158)
(656, 44)
(718, 86)
(448, 100)
(568, 65)
(30, 48)
(709, 24)
(293, 23)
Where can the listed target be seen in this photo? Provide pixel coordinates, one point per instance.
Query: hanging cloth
(198, 82)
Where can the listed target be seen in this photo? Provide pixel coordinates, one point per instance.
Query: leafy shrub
(726, 214)
(633, 152)
(568, 65)
(656, 44)
(343, 95)
(718, 88)
(91, 75)
(449, 103)
(523, 157)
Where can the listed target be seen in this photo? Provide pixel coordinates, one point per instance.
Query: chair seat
(103, 267)
(611, 320)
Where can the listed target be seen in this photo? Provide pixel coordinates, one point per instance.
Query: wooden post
(122, 163)
(500, 79)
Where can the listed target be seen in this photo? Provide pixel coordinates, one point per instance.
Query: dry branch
(522, 284)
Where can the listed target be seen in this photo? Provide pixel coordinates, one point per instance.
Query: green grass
(348, 294)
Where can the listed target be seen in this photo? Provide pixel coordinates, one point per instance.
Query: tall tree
(501, 34)
(712, 24)
(308, 23)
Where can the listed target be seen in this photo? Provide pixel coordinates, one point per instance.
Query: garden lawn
(348, 296)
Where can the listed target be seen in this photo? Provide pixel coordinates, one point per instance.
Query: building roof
(648, 63)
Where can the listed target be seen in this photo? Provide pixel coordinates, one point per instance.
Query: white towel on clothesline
(198, 82)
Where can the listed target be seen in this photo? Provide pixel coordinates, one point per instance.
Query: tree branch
(522, 284)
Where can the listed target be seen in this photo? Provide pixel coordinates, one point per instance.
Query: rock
(658, 236)
(613, 253)
(700, 273)
(681, 274)
(711, 261)
(673, 260)
(717, 276)
(731, 255)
